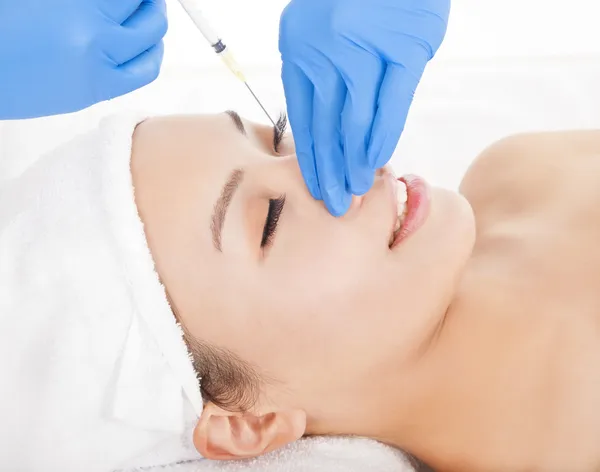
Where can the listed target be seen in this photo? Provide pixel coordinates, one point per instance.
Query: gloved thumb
(395, 98)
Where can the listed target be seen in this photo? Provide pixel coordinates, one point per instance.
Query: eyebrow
(222, 204)
(237, 120)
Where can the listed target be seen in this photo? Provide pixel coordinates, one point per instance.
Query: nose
(356, 202)
(384, 172)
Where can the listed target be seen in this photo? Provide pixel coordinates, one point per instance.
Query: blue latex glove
(350, 69)
(60, 56)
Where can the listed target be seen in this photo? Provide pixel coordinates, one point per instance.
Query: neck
(469, 391)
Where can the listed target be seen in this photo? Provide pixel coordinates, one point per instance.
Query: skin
(473, 344)
(522, 335)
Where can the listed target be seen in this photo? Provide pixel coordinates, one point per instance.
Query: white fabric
(309, 455)
(94, 374)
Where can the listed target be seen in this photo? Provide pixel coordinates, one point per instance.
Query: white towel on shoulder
(94, 374)
(324, 454)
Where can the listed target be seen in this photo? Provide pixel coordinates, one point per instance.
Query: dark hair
(417, 464)
(225, 379)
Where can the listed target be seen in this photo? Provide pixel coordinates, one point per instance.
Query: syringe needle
(259, 103)
(192, 7)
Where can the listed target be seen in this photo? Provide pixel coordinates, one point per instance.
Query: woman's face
(255, 265)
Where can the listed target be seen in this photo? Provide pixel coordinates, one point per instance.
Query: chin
(455, 218)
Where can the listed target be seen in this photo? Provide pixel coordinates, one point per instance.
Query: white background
(506, 66)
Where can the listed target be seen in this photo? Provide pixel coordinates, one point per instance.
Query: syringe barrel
(192, 7)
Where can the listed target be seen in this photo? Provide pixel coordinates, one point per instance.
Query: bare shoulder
(522, 161)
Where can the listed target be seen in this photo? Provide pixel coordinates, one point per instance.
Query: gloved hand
(62, 56)
(350, 69)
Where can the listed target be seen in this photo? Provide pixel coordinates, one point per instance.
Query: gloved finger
(119, 10)
(394, 101)
(329, 97)
(299, 97)
(358, 115)
(138, 72)
(141, 31)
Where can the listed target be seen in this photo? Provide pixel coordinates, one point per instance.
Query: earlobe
(222, 435)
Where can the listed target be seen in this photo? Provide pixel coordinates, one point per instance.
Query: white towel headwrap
(95, 374)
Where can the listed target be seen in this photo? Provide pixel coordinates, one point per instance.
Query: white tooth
(401, 210)
(401, 200)
(401, 194)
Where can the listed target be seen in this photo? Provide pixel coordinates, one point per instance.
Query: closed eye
(273, 214)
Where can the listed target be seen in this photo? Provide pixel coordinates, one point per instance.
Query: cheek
(329, 266)
(342, 319)
(331, 291)
(330, 261)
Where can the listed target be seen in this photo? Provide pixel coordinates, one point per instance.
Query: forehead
(193, 155)
(207, 141)
(189, 158)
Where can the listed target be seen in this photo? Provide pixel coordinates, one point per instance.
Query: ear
(222, 435)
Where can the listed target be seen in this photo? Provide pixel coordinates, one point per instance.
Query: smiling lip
(417, 205)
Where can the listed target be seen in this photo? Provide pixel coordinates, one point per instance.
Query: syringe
(215, 41)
